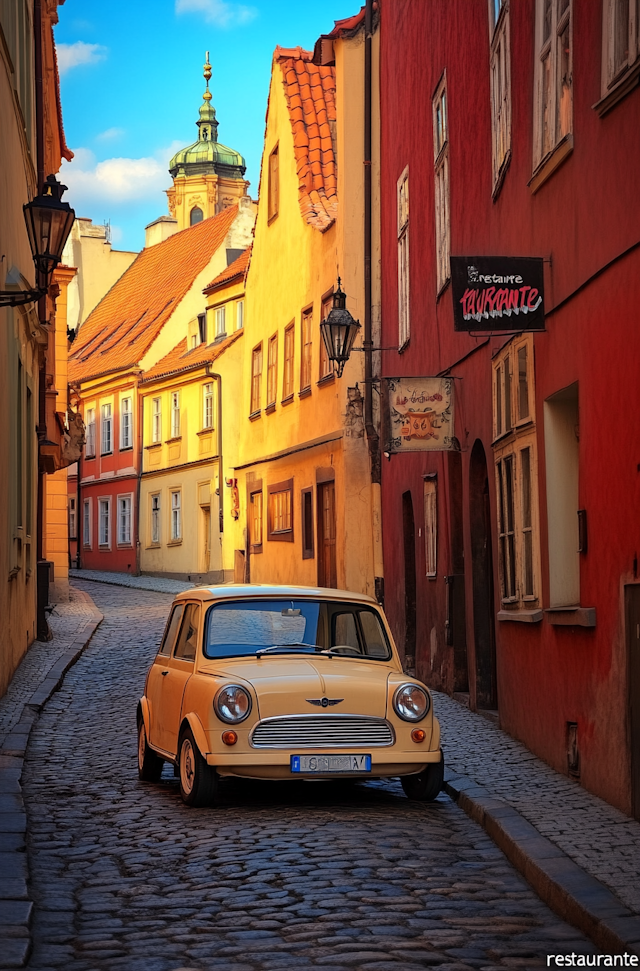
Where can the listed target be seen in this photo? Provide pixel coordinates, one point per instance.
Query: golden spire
(207, 76)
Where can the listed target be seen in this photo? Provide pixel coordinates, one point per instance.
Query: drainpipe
(140, 400)
(373, 439)
(218, 379)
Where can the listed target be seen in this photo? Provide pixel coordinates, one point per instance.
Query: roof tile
(235, 270)
(180, 359)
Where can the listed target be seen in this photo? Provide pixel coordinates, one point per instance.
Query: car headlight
(232, 704)
(411, 702)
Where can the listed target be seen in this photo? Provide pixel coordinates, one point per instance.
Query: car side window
(171, 630)
(345, 633)
(376, 644)
(188, 639)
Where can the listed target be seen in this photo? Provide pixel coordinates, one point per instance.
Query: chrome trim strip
(319, 726)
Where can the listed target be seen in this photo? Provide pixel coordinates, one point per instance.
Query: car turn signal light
(418, 734)
(229, 738)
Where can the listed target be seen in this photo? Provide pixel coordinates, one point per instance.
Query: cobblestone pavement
(601, 839)
(295, 876)
(65, 622)
(159, 584)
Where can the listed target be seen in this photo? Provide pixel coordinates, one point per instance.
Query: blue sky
(131, 82)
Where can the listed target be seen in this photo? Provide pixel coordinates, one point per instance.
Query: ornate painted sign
(420, 415)
(497, 293)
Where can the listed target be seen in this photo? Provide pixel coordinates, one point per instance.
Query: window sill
(126, 448)
(502, 171)
(174, 542)
(153, 546)
(154, 445)
(571, 616)
(443, 287)
(618, 91)
(403, 347)
(172, 441)
(272, 217)
(219, 337)
(105, 454)
(90, 458)
(255, 549)
(521, 616)
(269, 410)
(552, 161)
(124, 546)
(284, 537)
(287, 400)
(205, 431)
(104, 548)
(326, 379)
(255, 414)
(304, 393)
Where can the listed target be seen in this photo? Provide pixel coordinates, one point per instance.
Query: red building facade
(511, 564)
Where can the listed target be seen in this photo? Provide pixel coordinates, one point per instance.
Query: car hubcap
(187, 767)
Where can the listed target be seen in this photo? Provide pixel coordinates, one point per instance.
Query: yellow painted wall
(292, 266)
(98, 265)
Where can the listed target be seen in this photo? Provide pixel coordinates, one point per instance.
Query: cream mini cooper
(278, 682)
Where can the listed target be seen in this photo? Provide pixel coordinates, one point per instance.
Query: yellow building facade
(306, 497)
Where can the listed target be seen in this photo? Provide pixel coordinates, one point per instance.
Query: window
(554, 86)
(289, 346)
(156, 420)
(175, 414)
(176, 516)
(202, 328)
(124, 520)
(90, 446)
(196, 216)
(306, 510)
(188, 638)
(403, 258)
(441, 170)
(86, 523)
(562, 454)
(240, 315)
(620, 40)
(274, 185)
(430, 526)
(516, 470)
(221, 321)
(272, 370)
(171, 631)
(280, 511)
(500, 77)
(104, 522)
(256, 379)
(255, 521)
(306, 345)
(207, 405)
(126, 427)
(155, 518)
(106, 441)
(326, 364)
(72, 519)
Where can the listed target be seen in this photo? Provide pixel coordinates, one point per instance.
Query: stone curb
(16, 907)
(566, 888)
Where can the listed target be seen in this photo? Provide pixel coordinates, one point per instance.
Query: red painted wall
(583, 217)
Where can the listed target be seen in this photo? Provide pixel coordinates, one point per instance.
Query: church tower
(207, 176)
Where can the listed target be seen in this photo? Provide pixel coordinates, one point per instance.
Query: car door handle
(164, 673)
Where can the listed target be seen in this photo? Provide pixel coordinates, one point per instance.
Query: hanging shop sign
(497, 293)
(420, 415)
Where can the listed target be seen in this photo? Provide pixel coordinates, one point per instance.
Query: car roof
(233, 591)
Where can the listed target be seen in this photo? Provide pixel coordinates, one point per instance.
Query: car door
(180, 669)
(158, 674)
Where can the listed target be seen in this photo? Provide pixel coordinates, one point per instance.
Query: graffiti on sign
(497, 293)
(420, 414)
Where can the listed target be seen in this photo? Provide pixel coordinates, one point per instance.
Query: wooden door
(327, 571)
(205, 543)
(632, 611)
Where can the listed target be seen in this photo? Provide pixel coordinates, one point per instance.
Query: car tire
(425, 785)
(149, 764)
(198, 781)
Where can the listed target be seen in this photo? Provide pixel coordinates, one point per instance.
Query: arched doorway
(482, 567)
(409, 538)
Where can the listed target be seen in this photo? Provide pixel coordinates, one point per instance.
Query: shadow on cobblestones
(291, 876)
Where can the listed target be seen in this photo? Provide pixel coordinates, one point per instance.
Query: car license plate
(330, 763)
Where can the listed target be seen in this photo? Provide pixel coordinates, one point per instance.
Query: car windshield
(279, 627)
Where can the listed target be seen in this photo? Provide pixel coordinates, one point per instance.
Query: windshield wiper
(298, 648)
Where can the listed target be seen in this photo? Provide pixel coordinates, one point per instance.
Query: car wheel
(425, 785)
(198, 781)
(149, 764)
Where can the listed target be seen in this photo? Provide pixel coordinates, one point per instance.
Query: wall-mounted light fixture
(339, 330)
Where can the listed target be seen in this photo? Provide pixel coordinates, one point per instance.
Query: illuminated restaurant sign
(497, 293)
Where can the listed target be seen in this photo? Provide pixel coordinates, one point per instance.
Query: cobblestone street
(291, 876)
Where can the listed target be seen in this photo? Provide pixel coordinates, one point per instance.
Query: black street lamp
(49, 222)
(339, 330)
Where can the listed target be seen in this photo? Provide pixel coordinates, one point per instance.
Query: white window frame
(430, 498)
(124, 504)
(558, 104)
(87, 522)
(240, 315)
(126, 423)
(404, 276)
(175, 414)
(207, 406)
(500, 82)
(156, 420)
(155, 525)
(104, 525)
(221, 321)
(106, 428)
(175, 531)
(614, 69)
(441, 178)
(90, 446)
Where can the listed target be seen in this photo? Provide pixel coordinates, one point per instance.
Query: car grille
(322, 731)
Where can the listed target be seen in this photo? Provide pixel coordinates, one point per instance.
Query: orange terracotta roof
(180, 359)
(310, 91)
(121, 329)
(235, 270)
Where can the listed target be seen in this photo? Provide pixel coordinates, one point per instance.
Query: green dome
(207, 154)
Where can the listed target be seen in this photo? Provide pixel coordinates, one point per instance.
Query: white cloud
(72, 55)
(218, 12)
(110, 134)
(95, 185)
